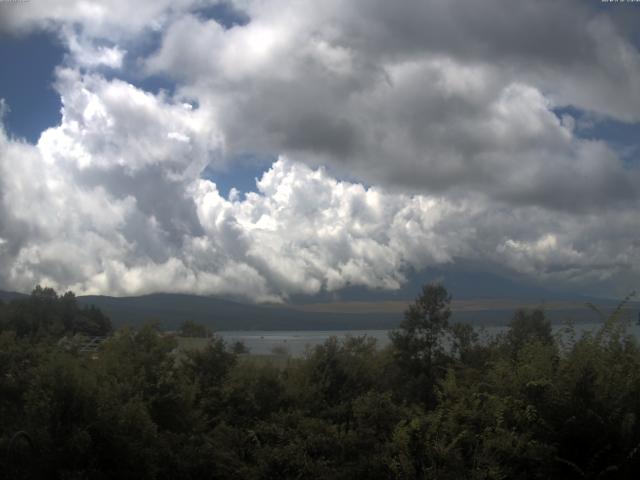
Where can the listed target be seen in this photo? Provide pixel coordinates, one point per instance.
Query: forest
(439, 402)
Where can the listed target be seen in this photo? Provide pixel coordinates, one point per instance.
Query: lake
(295, 342)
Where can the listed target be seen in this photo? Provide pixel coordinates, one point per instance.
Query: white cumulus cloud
(443, 118)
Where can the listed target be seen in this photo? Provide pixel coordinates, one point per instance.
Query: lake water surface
(295, 342)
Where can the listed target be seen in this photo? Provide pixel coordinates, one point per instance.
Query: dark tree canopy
(44, 314)
(189, 328)
(418, 342)
(527, 326)
(436, 403)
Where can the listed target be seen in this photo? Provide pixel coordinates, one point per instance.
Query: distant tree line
(44, 316)
(189, 328)
(436, 403)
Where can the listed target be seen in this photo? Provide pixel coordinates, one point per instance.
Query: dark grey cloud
(429, 96)
(539, 32)
(155, 195)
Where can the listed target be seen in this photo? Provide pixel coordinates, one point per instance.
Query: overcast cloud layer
(447, 109)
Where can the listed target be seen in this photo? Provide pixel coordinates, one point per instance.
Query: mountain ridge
(478, 298)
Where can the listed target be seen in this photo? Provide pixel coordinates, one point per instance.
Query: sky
(264, 149)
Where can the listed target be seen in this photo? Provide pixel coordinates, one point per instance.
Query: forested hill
(219, 314)
(8, 296)
(171, 310)
(223, 314)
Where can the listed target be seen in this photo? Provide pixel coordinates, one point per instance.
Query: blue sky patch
(621, 136)
(28, 64)
(240, 174)
(223, 13)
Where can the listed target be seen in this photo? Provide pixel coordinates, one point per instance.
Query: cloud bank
(408, 135)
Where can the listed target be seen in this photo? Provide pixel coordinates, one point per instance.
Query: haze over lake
(295, 343)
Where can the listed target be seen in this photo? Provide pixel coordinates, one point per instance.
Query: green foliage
(418, 343)
(527, 327)
(437, 403)
(193, 329)
(45, 316)
(338, 371)
(239, 348)
(418, 340)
